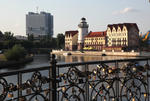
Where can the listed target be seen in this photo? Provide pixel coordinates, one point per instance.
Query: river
(42, 60)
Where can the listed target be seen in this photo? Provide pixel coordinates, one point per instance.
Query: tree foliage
(60, 41)
(1, 34)
(7, 41)
(8, 36)
(17, 52)
(30, 37)
(143, 43)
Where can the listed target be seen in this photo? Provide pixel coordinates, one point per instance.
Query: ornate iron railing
(13, 88)
(111, 80)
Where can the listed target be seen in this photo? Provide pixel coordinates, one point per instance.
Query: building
(19, 37)
(123, 35)
(82, 32)
(117, 37)
(39, 24)
(71, 39)
(95, 40)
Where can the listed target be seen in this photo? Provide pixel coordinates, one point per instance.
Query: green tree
(143, 43)
(1, 34)
(30, 37)
(8, 40)
(17, 52)
(26, 44)
(60, 41)
(8, 36)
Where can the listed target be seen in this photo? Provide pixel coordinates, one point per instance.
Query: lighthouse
(82, 32)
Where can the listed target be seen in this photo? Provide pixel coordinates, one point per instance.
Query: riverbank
(98, 53)
(6, 64)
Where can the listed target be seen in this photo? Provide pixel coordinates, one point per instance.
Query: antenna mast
(37, 8)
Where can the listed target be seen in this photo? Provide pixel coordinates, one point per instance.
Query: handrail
(71, 64)
(23, 71)
(97, 62)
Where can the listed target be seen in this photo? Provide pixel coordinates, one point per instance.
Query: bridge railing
(26, 85)
(111, 80)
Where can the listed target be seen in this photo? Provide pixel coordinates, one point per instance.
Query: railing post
(117, 82)
(19, 84)
(52, 75)
(148, 79)
(87, 84)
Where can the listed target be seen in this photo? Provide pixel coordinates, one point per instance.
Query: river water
(42, 60)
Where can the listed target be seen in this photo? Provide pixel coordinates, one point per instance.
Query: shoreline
(9, 64)
(99, 53)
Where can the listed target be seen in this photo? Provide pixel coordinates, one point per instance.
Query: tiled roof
(96, 34)
(72, 33)
(128, 25)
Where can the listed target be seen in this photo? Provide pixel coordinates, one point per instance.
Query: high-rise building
(39, 24)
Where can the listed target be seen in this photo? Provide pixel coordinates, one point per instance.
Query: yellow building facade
(95, 40)
(124, 35)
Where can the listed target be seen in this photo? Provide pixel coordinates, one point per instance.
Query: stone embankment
(97, 53)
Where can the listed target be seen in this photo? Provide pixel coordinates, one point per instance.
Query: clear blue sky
(67, 13)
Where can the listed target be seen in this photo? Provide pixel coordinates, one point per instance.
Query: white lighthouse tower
(82, 32)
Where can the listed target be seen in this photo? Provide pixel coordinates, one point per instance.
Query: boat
(66, 54)
(103, 54)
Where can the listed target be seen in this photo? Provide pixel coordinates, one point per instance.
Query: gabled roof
(128, 25)
(72, 33)
(121, 26)
(97, 34)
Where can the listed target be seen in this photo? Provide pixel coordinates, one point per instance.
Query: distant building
(117, 37)
(95, 40)
(39, 24)
(123, 35)
(19, 37)
(71, 39)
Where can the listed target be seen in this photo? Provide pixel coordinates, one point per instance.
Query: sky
(67, 13)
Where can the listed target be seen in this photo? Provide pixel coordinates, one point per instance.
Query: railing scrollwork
(111, 80)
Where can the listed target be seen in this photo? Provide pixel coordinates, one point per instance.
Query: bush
(17, 52)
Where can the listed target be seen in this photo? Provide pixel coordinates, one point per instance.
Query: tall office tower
(39, 24)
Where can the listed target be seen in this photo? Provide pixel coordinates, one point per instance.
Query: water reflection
(85, 58)
(43, 60)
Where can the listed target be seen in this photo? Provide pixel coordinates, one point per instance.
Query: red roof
(97, 34)
(72, 33)
(128, 25)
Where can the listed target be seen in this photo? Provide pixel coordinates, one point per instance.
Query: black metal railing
(25, 85)
(37, 84)
(111, 80)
